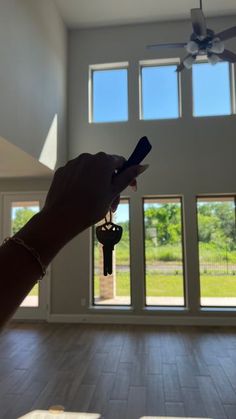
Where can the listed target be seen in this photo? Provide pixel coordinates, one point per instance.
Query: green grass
(168, 253)
(172, 285)
(209, 252)
(173, 253)
(218, 286)
(164, 285)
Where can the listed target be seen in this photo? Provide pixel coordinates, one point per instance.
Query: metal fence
(218, 261)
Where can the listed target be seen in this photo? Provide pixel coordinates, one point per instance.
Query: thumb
(123, 180)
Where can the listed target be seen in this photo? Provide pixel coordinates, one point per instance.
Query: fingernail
(142, 168)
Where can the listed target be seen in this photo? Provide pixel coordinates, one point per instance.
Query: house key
(108, 234)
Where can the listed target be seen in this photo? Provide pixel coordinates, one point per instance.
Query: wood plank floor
(121, 372)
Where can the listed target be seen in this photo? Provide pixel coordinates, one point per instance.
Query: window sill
(227, 115)
(217, 310)
(111, 308)
(171, 309)
(125, 121)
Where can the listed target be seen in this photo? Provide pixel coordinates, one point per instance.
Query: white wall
(190, 155)
(33, 61)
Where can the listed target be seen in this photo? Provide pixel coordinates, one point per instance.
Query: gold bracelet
(30, 249)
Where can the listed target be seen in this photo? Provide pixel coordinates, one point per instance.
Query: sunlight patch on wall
(48, 155)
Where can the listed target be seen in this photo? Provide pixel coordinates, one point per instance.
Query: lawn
(172, 285)
(173, 253)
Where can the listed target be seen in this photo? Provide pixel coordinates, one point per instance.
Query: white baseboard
(148, 320)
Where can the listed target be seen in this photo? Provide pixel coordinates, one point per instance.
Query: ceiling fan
(203, 41)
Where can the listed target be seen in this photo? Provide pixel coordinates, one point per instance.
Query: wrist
(44, 234)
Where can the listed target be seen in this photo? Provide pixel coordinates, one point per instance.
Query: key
(108, 234)
(140, 152)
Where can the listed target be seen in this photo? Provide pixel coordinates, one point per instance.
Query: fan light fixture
(203, 42)
(213, 59)
(217, 46)
(192, 47)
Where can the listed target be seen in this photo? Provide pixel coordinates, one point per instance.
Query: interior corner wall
(33, 79)
(190, 155)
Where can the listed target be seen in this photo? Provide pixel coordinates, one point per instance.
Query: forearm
(20, 271)
(81, 193)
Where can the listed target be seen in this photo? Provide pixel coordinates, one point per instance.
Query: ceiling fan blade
(228, 56)
(169, 45)
(227, 34)
(199, 23)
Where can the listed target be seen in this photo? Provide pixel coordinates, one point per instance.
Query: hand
(83, 191)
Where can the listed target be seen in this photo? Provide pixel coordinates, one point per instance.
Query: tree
(216, 223)
(22, 216)
(166, 218)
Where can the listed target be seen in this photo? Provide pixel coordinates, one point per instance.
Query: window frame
(162, 62)
(92, 304)
(204, 60)
(212, 197)
(100, 67)
(166, 307)
(42, 311)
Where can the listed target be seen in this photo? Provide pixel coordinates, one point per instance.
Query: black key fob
(140, 152)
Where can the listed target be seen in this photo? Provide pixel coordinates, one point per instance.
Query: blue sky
(110, 95)
(211, 92)
(211, 89)
(160, 92)
(122, 213)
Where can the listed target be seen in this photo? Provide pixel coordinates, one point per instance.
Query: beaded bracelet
(30, 249)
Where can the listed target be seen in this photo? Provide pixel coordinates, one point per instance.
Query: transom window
(211, 89)
(160, 92)
(108, 85)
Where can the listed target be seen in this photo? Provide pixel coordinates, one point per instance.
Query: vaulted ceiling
(94, 13)
(14, 162)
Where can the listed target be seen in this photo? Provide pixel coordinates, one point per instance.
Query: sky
(160, 92)
(211, 92)
(211, 89)
(110, 95)
(122, 213)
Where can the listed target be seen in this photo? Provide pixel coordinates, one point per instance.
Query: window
(159, 91)
(108, 93)
(114, 289)
(164, 252)
(21, 213)
(211, 89)
(217, 250)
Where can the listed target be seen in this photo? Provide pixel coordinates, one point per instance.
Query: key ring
(110, 214)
